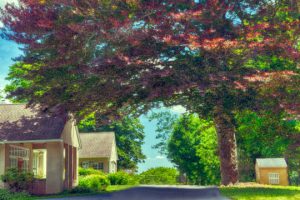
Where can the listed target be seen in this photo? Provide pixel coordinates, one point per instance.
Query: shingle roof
(271, 162)
(19, 123)
(95, 145)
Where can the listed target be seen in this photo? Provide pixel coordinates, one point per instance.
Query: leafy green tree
(117, 57)
(129, 139)
(192, 147)
(159, 175)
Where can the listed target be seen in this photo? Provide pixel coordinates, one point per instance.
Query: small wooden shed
(271, 171)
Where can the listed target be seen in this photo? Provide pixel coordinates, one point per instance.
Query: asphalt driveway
(157, 193)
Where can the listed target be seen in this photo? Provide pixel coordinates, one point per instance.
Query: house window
(273, 178)
(18, 157)
(85, 164)
(98, 165)
(91, 164)
(39, 164)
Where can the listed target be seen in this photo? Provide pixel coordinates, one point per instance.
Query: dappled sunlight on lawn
(261, 192)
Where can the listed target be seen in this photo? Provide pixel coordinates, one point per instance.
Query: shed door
(273, 178)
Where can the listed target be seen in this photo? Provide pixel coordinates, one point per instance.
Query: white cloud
(178, 109)
(160, 157)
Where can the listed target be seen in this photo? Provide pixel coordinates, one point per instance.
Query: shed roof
(271, 162)
(20, 123)
(96, 145)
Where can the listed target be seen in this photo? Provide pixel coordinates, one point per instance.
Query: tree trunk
(227, 146)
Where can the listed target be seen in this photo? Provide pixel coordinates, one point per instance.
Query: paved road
(157, 193)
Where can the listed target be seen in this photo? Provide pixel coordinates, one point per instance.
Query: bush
(159, 175)
(7, 195)
(122, 178)
(94, 182)
(80, 190)
(89, 171)
(16, 180)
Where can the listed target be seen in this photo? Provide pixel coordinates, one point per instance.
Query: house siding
(264, 177)
(55, 166)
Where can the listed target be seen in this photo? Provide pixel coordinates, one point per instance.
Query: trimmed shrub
(17, 181)
(94, 182)
(159, 175)
(122, 178)
(89, 171)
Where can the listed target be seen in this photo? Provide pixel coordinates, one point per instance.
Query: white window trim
(274, 178)
(25, 158)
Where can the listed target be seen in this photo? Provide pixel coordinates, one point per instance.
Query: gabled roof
(271, 162)
(19, 123)
(96, 145)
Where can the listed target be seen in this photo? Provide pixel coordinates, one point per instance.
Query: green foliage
(263, 136)
(159, 175)
(192, 148)
(294, 177)
(164, 126)
(18, 77)
(17, 181)
(129, 138)
(94, 182)
(270, 63)
(7, 195)
(89, 171)
(122, 178)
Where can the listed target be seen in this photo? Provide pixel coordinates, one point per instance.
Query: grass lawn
(111, 188)
(261, 193)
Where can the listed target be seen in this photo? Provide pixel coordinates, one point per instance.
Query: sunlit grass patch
(261, 192)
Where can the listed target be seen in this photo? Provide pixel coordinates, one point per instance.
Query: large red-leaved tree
(112, 57)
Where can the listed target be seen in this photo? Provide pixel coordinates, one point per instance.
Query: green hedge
(159, 175)
(89, 171)
(122, 178)
(94, 182)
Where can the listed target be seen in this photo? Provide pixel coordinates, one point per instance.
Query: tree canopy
(114, 57)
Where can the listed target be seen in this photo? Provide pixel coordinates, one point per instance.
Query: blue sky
(10, 50)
